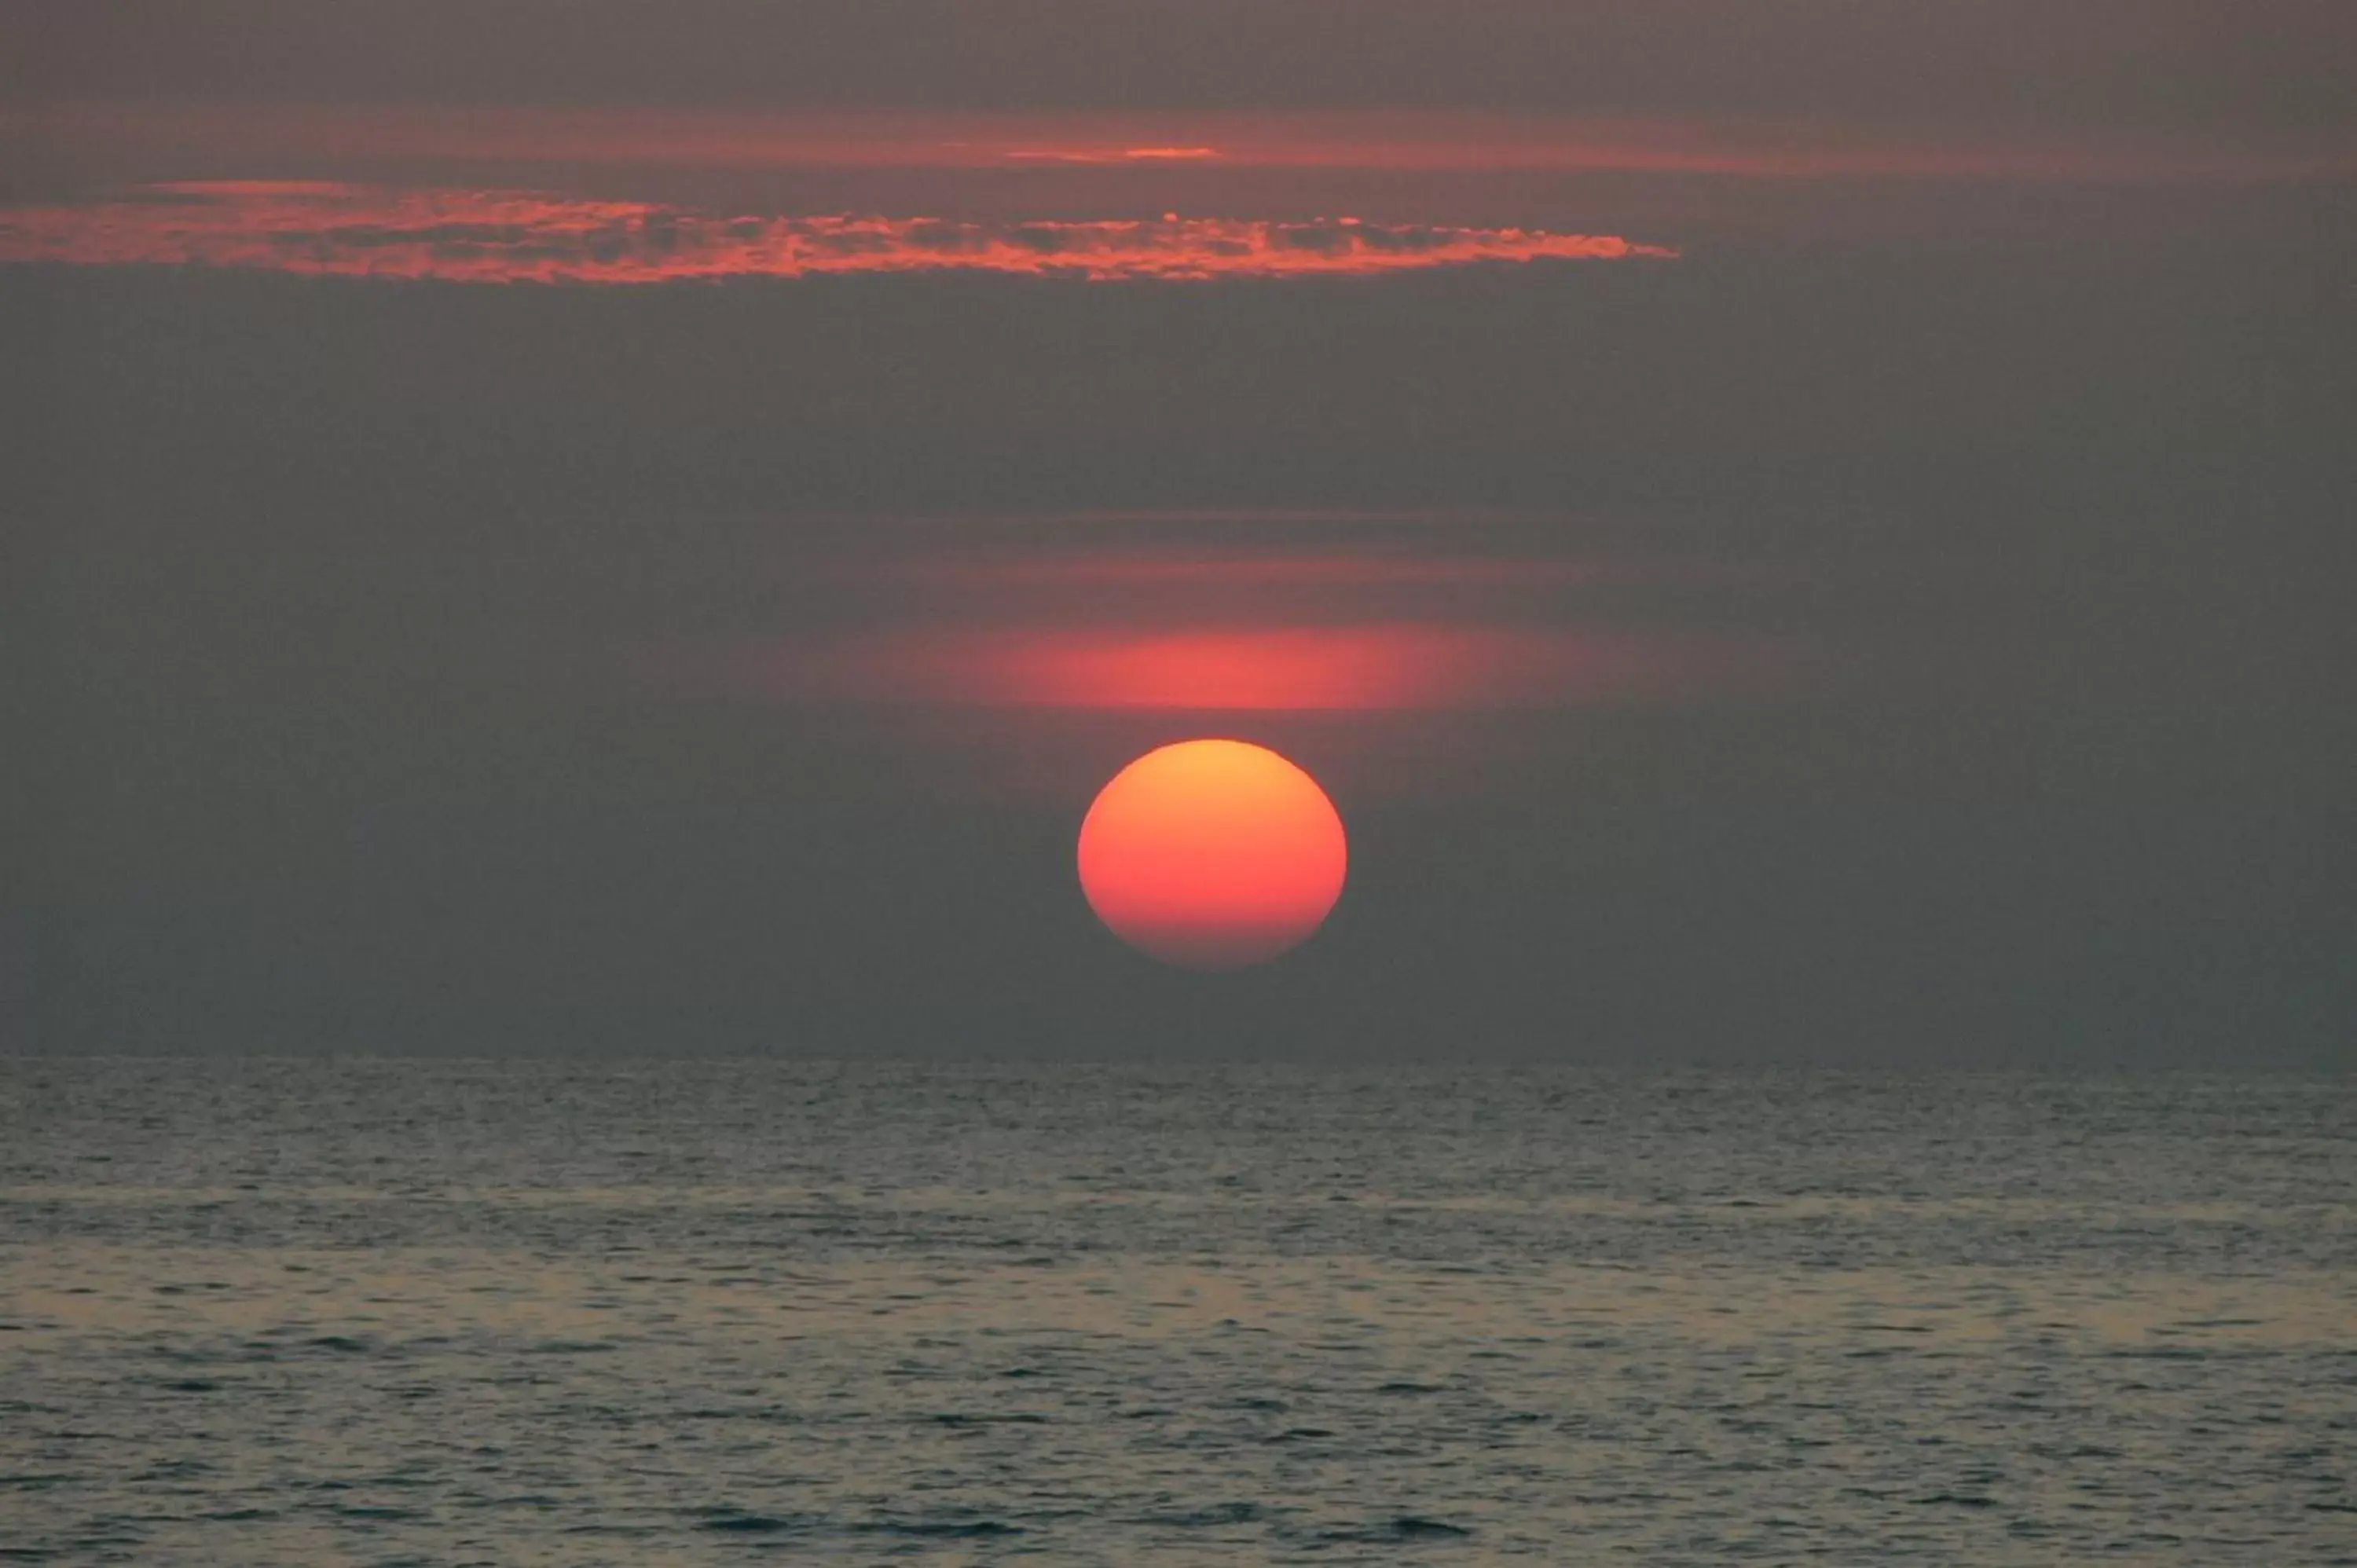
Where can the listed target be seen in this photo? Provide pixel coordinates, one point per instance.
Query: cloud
(1106, 155)
(1365, 667)
(1384, 615)
(441, 145)
(495, 236)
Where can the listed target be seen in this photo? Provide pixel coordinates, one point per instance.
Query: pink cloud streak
(1361, 667)
(350, 136)
(489, 236)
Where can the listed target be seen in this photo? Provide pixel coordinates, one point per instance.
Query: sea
(433, 1312)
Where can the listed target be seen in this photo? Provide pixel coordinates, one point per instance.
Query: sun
(1212, 855)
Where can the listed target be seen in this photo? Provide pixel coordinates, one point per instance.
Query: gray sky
(1907, 625)
(2176, 66)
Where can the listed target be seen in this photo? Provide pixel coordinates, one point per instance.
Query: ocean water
(386, 1312)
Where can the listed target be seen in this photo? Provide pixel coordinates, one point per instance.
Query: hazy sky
(1792, 531)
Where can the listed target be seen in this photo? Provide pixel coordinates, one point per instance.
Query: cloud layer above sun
(1354, 666)
(1370, 614)
(489, 236)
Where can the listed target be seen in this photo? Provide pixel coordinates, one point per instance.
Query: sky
(1793, 533)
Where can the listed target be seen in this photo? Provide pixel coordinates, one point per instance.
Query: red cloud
(489, 236)
(1361, 667)
(341, 137)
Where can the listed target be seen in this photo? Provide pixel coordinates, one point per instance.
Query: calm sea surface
(434, 1313)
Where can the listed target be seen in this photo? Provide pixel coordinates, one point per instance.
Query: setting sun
(1212, 855)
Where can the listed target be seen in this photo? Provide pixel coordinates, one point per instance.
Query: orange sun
(1212, 855)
